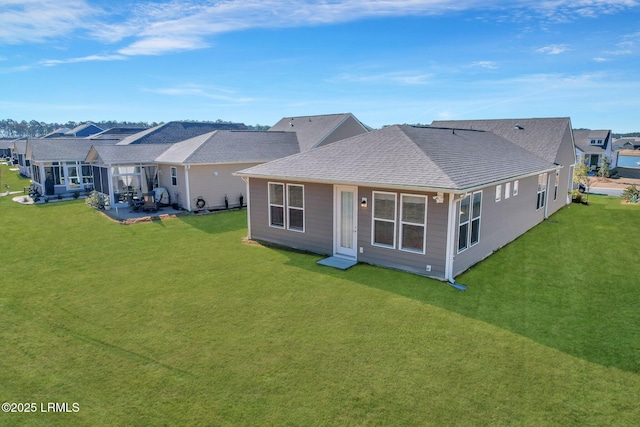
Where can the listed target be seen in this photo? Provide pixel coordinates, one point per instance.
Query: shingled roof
(172, 132)
(540, 136)
(137, 153)
(58, 149)
(408, 156)
(225, 146)
(312, 130)
(583, 137)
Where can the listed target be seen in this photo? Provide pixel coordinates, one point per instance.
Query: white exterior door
(346, 221)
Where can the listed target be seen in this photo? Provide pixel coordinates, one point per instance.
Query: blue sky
(386, 61)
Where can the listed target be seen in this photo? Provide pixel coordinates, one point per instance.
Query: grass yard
(180, 323)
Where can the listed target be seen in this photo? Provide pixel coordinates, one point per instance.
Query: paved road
(607, 191)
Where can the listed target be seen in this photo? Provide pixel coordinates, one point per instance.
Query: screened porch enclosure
(124, 183)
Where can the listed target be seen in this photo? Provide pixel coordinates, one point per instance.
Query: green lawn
(180, 323)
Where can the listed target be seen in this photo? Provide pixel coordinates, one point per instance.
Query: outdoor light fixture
(363, 202)
(439, 198)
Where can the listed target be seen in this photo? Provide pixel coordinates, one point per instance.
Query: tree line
(33, 129)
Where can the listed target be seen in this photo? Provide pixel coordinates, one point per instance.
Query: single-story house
(592, 146)
(172, 132)
(18, 152)
(430, 201)
(58, 166)
(197, 171)
(6, 146)
(124, 171)
(548, 138)
(316, 131)
(84, 130)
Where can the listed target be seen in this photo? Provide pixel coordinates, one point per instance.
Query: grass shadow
(550, 285)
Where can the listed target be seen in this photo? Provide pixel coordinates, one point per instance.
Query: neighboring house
(117, 133)
(592, 146)
(431, 201)
(6, 146)
(58, 166)
(122, 171)
(19, 153)
(626, 143)
(316, 131)
(83, 131)
(197, 171)
(57, 133)
(548, 138)
(172, 132)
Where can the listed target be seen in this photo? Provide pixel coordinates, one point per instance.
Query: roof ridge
(425, 155)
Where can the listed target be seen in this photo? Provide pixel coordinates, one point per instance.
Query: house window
(413, 223)
(542, 190)
(35, 173)
(54, 173)
(276, 205)
(295, 207)
(469, 220)
(507, 190)
(174, 176)
(515, 188)
(498, 192)
(384, 219)
(87, 174)
(555, 188)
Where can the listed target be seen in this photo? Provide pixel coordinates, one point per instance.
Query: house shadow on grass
(529, 312)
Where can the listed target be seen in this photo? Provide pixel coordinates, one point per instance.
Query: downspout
(246, 180)
(448, 267)
(186, 185)
(546, 202)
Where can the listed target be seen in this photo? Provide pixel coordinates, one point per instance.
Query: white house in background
(592, 146)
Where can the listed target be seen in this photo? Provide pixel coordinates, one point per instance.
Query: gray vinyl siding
(398, 259)
(501, 222)
(318, 216)
(566, 158)
(350, 127)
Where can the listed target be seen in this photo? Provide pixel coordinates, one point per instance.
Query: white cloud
(489, 65)
(165, 26)
(90, 58)
(399, 77)
(35, 21)
(599, 59)
(210, 92)
(554, 49)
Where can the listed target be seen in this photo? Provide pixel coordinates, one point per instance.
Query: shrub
(76, 194)
(631, 194)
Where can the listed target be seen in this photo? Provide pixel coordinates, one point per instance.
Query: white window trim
(473, 218)
(423, 225)
(374, 219)
(539, 192)
(469, 221)
(289, 207)
(174, 176)
(284, 219)
(498, 193)
(507, 190)
(515, 187)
